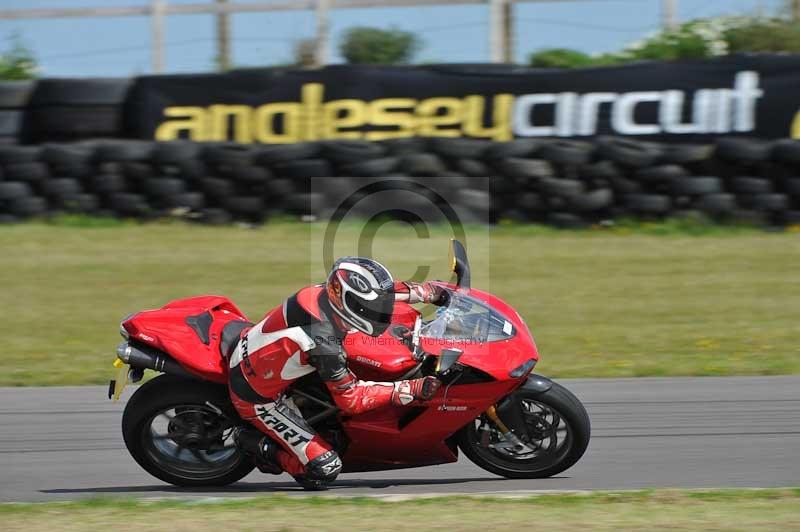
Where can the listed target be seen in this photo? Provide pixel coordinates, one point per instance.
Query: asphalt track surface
(65, 443)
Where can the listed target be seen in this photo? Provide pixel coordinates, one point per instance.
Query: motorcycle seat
(231, 334)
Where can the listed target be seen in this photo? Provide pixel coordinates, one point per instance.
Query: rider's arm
(354, 396)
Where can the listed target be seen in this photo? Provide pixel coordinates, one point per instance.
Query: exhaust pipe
(144, 357)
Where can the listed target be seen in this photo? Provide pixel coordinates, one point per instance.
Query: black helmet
(361, 293)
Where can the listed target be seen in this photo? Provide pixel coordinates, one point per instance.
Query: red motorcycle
(507, 420)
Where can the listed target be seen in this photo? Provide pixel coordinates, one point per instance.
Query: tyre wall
(14, 97)
(54, 110)
(558, 182)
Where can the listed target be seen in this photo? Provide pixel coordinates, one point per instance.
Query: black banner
(749, 95)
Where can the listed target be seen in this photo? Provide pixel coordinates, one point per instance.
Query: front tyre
(174, 429)
(557, 435)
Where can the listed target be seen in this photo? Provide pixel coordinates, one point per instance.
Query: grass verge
(772, 509)
(634, 300)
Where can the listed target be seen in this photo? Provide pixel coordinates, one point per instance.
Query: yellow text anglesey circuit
(498, 117)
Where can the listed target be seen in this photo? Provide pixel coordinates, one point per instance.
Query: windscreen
(467, 319)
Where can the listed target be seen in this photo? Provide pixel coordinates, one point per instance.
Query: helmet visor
(377, 311)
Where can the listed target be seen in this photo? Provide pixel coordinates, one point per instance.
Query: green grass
(773, 509)
(633, 300)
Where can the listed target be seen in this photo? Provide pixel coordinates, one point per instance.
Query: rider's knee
(324, 468)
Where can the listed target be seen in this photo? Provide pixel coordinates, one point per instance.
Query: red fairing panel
(166, 329)
(495, 358)
(385, 357)
(393, 438)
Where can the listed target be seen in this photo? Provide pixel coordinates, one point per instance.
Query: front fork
(509, 416)
(511, 442)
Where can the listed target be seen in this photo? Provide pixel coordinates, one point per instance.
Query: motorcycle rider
(304, 335)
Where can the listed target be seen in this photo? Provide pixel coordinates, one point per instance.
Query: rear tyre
(557, 436)
(172, 432)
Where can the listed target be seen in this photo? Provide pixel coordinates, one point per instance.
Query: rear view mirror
(447, 360)
(460, 264)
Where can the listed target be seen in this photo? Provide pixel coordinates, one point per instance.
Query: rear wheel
(179, 431)
(557, 435)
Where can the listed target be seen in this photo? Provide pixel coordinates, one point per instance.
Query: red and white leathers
(296, 339)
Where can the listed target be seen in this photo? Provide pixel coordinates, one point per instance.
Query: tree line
(696, 39)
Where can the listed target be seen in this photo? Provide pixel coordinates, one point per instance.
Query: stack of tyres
(565, 183)
(65, 109)
(14, 96)
(21, 176)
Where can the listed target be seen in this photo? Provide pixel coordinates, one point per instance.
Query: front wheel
(179, 430)
(557, 435)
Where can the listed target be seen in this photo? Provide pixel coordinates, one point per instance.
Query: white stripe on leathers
(257, 340)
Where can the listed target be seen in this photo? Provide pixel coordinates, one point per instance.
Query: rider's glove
(415, 391)
(427, 293)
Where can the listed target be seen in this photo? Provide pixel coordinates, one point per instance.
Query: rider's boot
(259, 446)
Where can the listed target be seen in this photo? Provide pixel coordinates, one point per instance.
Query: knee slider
(325, 467)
